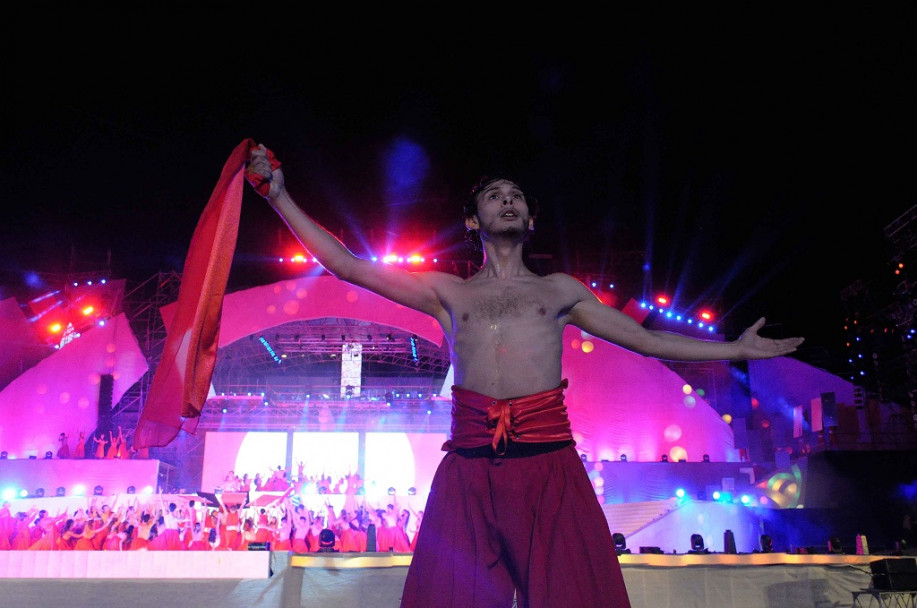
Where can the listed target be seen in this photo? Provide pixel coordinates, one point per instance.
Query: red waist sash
(478, 419)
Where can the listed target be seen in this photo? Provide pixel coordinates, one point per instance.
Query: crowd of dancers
(199, 525)
(101, 445)
(280, 480)
(129, 523)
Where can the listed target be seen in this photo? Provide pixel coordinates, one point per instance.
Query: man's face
(502, 210)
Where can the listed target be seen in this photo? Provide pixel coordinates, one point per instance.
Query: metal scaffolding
(283, 378)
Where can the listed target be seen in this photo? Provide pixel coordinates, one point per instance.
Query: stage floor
(775, 580)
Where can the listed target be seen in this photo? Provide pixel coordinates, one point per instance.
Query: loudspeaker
(729, 542)
(371, 538)
(895, 574)
(106, 390)
(106, 393)
(828, 409)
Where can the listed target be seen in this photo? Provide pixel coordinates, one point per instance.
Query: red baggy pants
(529, 525)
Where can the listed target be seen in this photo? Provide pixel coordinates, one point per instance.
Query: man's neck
(503, 259)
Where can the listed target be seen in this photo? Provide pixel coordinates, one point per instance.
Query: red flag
(182, 380)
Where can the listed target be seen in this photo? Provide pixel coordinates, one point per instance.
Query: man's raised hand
(264, 173)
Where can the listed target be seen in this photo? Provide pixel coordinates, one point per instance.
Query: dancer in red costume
(265, 528)
(216, 523)
(300, 535)
(392, 536)
(169, 538)
(63, 452)
(113, 441)
(411, 520)
(116, 449)
(21, 538)
(193, 517)
(233, 527)
(143, 532)
(199, 538)
(230, 525)
(353, 538)
(315, 529)
(281, 539)
(246, 534)
(87, 539)
(48, 532)
(123, 451)
(80, 450)
(101, 442)
(119, 536)
(102, 518)
(7, 526)
(68, 537)
(36, 529)
(213, 539)
(511, 511)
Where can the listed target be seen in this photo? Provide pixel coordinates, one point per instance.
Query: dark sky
(754, 164)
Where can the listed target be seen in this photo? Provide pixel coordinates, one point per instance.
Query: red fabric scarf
(181, 382)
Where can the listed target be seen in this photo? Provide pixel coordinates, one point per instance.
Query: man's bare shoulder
(569, 290)
(435, 277)
(564, 281)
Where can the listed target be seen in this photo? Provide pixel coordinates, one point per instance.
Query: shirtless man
(511, 510)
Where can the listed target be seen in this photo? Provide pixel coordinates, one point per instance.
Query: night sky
(752, 166)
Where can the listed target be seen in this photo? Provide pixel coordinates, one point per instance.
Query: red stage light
(394, 258)
(663, 300)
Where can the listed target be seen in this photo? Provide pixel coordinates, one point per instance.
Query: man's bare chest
(487, 304)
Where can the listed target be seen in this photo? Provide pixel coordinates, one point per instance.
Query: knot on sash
(478, 420)
(501, 422)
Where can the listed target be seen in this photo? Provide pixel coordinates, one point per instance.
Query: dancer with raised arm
(511, 511)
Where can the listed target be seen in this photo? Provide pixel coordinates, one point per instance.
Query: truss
(265, 381)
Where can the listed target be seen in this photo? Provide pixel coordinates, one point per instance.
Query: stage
(263, 578)
(786, 578)
(113, 476)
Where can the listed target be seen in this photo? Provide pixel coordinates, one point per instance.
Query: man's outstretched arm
(616, 327)
(413, 290)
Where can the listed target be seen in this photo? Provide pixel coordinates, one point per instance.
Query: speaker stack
(895, 574)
